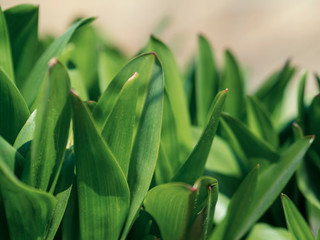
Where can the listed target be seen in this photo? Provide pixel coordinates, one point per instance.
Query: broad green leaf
(233, 80)
(263, 231)
(26, 208)
(142, 64)
(119, 129)
(207, 80)
(51, 132)
(272, 180)
(168, 163)
(33, 82)
(110, 62)
(295, 221)
(26, 134)
(85, 57)
(13, 109)
(247, 146)
(240, 203)
(103, 192)
(175, 206)
(146, 145)
(272, 91)
(301, 90)
(5, 48)
(173, 83)
(22, 22)
(194, 166)
(259, 122)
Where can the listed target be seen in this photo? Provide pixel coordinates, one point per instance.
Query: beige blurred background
(262, 34)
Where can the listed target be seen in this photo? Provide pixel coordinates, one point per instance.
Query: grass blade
(103, 192)
(295, 222)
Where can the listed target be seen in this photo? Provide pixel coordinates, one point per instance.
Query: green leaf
(5, 48)
(173, 83)
(22, 22)
(272, 180)
(11, 157)
(26, 134)
(51, 132)
(272, 91)
(103, 192)
(248, 147)
(233, 80)
(119, 129)
(194, 166)
(259, 122)
(207, 80)
(313, 126)
(26, 208)
(175, 206)
(146, 145)
(317, 77)
(241, 201)
(110, 61)
(295, 222)
(32, 84)
(263, 231)
(13, 109)
(77, 83)
(142, 64)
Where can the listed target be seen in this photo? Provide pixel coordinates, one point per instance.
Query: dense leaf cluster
(96, 146)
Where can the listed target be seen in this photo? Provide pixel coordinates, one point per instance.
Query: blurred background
(262, 34)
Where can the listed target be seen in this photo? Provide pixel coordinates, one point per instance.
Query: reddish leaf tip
(193, 189)
(227, 90)
(295, 124)
(53, 61)
(155, 54)
(73, 92)
(281, 195)
(136, 74)
(312, 138)
(258, 165)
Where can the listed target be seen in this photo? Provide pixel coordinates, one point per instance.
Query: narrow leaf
(194, 166)
(207, 80)
(13, 109)
(295, 221)
(301, 90)
(5, 48)
(103, 192)
(119, 129)
(146, 145)
(52, 128)
(32, 84)
(22, 22)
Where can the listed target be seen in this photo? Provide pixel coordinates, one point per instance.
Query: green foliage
(118, 149)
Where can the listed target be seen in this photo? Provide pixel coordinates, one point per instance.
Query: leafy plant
(95, 145)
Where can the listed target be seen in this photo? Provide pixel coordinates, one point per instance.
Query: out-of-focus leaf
(297, 131)
(110, 61)
(233, 80)
(51, 132)
(13, 109)
(85, 57)
(103, 192)
(313, 214)
(77, 83)
(146, 145)
(263, 231)
(22, 22)
(168, 163)
(313, 122)
(119, 129)
(30, 87)
(241, 201)
(301, 90)
(5, 48)
(318, 80)
(295, 222)
(26, 208)
(272, 91)
(195, 164)
(173, 83)
(175, 206)
(246, 144)
(142, 64)
(207, 80)
(272, 180)
(259, 122)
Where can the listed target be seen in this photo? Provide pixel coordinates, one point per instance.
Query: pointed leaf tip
(53, 61)
(74, 92)
(227, 90)
(281, 195)
(135, 75)
(258, 165)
